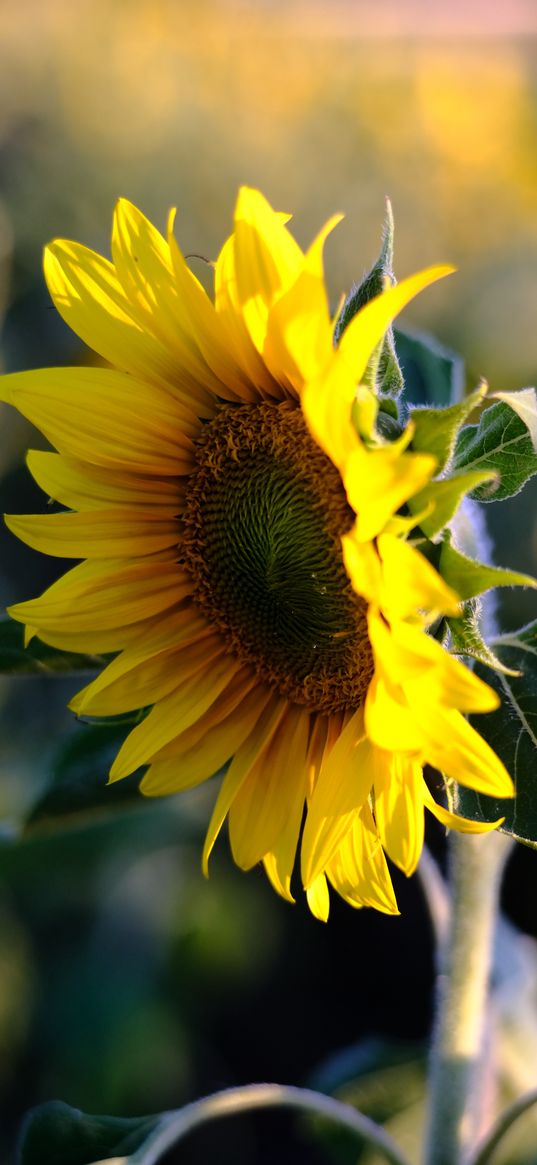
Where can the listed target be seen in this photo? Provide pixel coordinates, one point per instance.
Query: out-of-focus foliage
(129, 983)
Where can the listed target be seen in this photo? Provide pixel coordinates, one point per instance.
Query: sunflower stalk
(458, 1090)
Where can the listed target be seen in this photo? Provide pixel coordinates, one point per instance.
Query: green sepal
(465, 638)
(511, 731)
(436, 429)
(503, 443)
(469, 577)
(446, 497)
(388, 407)
(383, 373)
(38, 658)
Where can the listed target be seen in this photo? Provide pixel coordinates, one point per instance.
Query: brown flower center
(264, 514)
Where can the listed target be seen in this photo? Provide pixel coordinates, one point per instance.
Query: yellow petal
(242, 764)
(319, 898)
(378, 481)
(263, 806)
(399, 808)
(344, 783)
(452, 745)
(93, 303)
(363, 567)
(359, 871)
(144, 267)
(389, 721)
(327, 403)
(428, 674)
(167, 633)
(234, 328)
(267, 260)
(172, 715)
(213, 747)
(83, 487)
(371, 323)
(453, 821)
(298, 343)
(100, 534)
(410, 582)
(203, 321)
(149, 681)
(95, 598)
(105, 418)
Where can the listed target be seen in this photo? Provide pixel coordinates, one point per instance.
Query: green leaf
(436, 429)
(501, 443)
(433, 374)
(470, 578)
(512, 733)
(383, 373)
(524, 402)
(56, 1134)
(38, 658)
(78, 787)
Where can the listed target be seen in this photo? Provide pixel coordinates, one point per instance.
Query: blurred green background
(128, 984)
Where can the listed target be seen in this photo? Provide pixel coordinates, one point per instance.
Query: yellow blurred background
(324, 106)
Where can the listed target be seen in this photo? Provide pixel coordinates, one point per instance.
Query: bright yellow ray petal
(172, 715)
(96, 597)
(388, 719)
(371, 323)
(261, 808)
(242, 764)
(211, 750)
(240, 684)
(267, 260)
(100, 534)
(454, 747)
(234, 327)
(410, 582)
(319, 898)
(148, 682)
(427, 673)
(359, 871)
(106, 418)
(204, 322)
(363, 566)
(454, 821)
(399, 808)
(144, 267)
(83, 487)
(168, 631)
(344, 783)
(298, 343)
(378, 481)
(90, 298)
(327, 404)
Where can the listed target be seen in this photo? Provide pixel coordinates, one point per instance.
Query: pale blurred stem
(457, 1077)
(235, 1101)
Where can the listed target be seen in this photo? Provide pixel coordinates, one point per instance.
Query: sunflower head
(261, 549)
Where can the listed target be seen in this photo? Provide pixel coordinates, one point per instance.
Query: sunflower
(245, 533)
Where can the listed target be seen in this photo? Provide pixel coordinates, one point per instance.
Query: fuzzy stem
(456, 1089)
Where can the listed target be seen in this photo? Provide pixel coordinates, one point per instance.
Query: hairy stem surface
(458, 1080)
